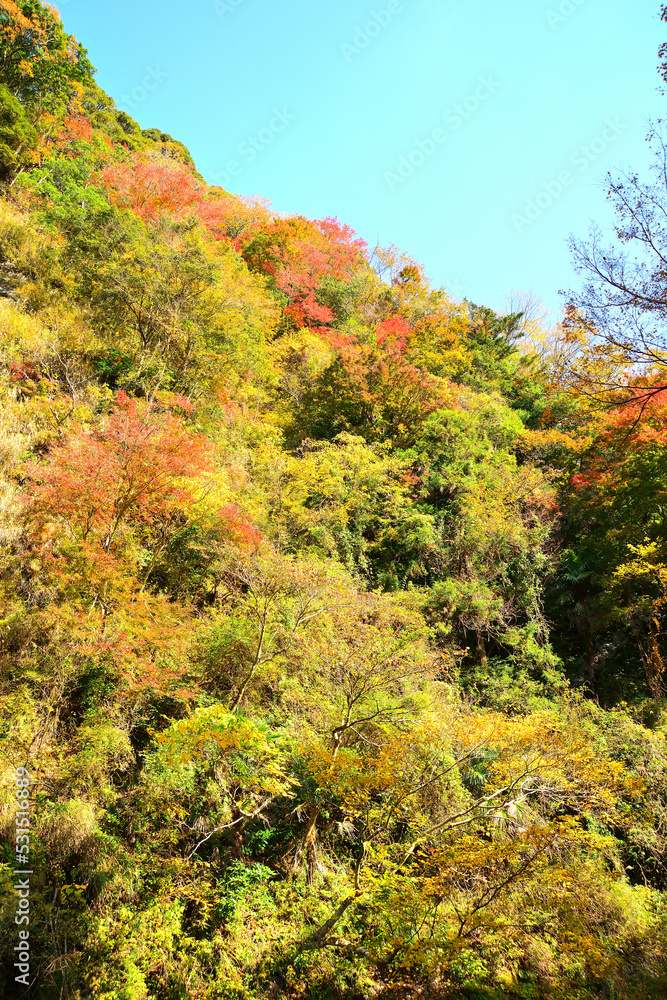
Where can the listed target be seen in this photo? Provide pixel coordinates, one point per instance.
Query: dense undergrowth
(331, 633)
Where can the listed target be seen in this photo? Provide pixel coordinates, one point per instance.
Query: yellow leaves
(301, 357)
(352, 775)
(574, 360)
(437, 343)
(647, 560)
(241, 297)
(646, 572)
(543, 754)
(344, 485)
(240, 748)
(516, 770)
(31, 250)
(496, 509)
(538, 441)
(492, 888)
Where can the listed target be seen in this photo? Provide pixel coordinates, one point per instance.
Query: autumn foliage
(131, 469)
(299, 255)
(334, 629)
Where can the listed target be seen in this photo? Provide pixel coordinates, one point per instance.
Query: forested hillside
(332, 647)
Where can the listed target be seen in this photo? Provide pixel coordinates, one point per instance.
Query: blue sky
(473, 134)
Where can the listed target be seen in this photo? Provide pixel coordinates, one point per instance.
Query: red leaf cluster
(299, 255)
(130, 469)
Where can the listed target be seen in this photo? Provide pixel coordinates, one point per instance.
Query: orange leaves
(378, 389)
(300, 255)
(75, 128)
(131, 469)
(151, 188)
(141, 637)
(389, 768)
(396, 267)
(323, 248)
(156, 189)
(239, 528)
(106, 505)
(13, 23)
(627, 438)
(394, 332)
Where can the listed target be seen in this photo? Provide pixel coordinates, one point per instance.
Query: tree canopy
(333, 640)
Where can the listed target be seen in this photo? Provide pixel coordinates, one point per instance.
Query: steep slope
(279, 521)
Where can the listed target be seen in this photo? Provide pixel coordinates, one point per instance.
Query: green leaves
(278, 651)
(39, 62)
(18, 138)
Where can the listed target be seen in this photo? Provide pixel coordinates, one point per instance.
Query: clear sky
(473, 134)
